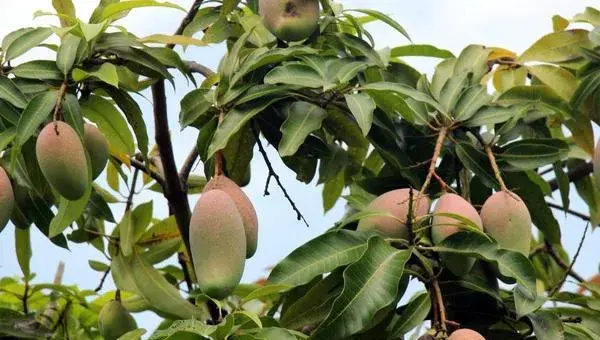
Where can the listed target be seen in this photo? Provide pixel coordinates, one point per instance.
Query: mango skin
(217, 244)
(62, 159)
(596, 163)
(465, 334)
(114, 321)
(244, 206)
(444, 226)
(506, 218)
(396, 203)
(97, 147)
(290, 20)
(7, 198)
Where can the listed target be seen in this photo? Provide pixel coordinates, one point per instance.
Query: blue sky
(512, 24)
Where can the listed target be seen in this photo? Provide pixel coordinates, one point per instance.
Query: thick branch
(195, 67)
(155, 175)
(574, 175)
(186, 169)
(172, 187)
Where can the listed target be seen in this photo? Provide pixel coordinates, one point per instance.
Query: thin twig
(273, 174)
(57, 107)
(552, 252)
(25, 296)
(436, 154)
(569, 211)
(569, 269)
(143, 168)
(132, 189)
(440, 303)
(186, 272)
(187, 19)
(574, 175)
(186, 169)
(492, 158)
(99, 288)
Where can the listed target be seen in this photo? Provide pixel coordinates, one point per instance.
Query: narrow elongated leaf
(529, 154)
(193, 106)
(6, 137)
(362, 107)
(11, 93)
(173, 39)
(64, 8)
(112, 11)
(476, 161)
(262, 57)
(133, 335)
(38, 69)
(413, 314)
(26, 41)
(588, 86)
(403, 90)
(559, 79)
(184, 328)
(416, 50)
(67, 53)
(473, 59)
(557, 47)
(470, 102)
(506, 77)
(126, 234)
(547, 325)
(452, 90)
(134, 116)
(72, 113)
(107, 73)
(370, 284)
(302, 119)
(69, 211)
(294, 74)
(23, 249)
(320, 255)
(110, 122)
(34, 114)
(489, 115)
(384, 18)
(355, 43)
(233, 122)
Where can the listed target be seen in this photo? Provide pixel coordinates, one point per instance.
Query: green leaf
(533, 197)
(525, 305)
(234, 121)
(559, 23)
(333, 163)
(590, 15)
(153, 287)
(173, 40)
(361, 46)
(98, 266)
(194, 105)
(529, 154)
(266, 291)
(535, 94)
(332, 190)
(23, 249)
(490, 115)
(384, 18)
(547, 325)
(126, 234)
(362, 107)
(443, 71)
(557, 47)
(320, 255)
(415, 50)
(506, 77)
(182, 327)
(64, 8)
(133, 335)
(474, 59)
(403, 90)
(294, 74)
(72, 113)
(370, 284)
(564, 184)
(476, 161)
(107, 73)
(11, 93)
(413, 314)
(38, 69)
(34, 114)
(349, 70)
(452, 90)
(134, 116)
(67, 53)
(112, 11)
(588, 86)
(559, 79)
(6, 137)
(25, 41)
(511, 264)
(69, 211)
(301, 119)
(141, 218)
(110, 121)
(264, 56)
(470, 102)
(238, 154)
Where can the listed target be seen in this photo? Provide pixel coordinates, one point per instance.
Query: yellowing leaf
(173, 39)
(499, 53)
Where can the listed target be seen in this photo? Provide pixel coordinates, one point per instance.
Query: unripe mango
(465, 334)
(97, 148)
(596, 163)
(290, 20)
(396, 203)
(444, 226)
(114, 321)
(217, 244)
(244, 206)
(7, 198)
(506, 218)
(61, 157)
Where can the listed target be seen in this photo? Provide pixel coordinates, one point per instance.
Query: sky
(452, 25)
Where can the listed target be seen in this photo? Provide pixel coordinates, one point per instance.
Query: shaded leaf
(34, 114)
(302, 119)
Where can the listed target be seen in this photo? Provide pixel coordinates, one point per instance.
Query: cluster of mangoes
(61, 155)
(503, 216)
(223, 234)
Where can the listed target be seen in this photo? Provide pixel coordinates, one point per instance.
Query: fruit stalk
(436, 154)
(492, 158)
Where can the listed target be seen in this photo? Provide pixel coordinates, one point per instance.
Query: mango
(465, 334)
(61, 157)
(396, 203)
(7, 198)
(114, 321)
(506, 218)
(97, 147)
(444, 226)
(244, 207)
(290, 20)
(217, 244)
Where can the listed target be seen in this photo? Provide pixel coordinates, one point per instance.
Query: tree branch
(186, 169)
(143, 168)
(99, 288)
(569, 269)
(569, 211)
(195, 67)
(550, 250)
(574, 175)
(187, 19)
